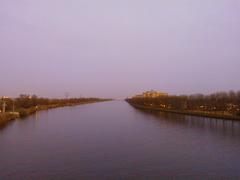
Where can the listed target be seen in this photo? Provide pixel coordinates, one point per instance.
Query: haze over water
(113, 140)
(118, 48)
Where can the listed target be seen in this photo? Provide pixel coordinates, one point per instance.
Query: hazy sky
(112, 48)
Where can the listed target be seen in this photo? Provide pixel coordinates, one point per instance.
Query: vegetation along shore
(223, 105)
(25, 105)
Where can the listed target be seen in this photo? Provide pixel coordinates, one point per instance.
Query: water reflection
(112, 139)
(223, 127)
(5, 125)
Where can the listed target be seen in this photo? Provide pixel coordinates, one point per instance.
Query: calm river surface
(112, 140)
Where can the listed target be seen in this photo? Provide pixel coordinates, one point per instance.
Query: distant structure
(4, 104)
(151, 94)
(4, 100)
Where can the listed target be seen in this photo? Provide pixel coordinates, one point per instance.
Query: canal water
(112, 140)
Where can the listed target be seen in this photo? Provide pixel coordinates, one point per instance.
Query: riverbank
(24, 112)
(185, 112)
(7, 117)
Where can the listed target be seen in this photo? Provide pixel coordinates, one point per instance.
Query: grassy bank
(24, 112)
(192, 113)
(7, 117)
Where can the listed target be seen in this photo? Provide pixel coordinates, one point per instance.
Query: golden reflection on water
(221, 126)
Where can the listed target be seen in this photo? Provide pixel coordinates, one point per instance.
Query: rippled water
(112, 140)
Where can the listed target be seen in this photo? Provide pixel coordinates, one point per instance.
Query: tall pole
(4, 107)
(13, 107)
(66, 95)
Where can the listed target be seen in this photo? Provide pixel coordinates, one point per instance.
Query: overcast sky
(111, 48)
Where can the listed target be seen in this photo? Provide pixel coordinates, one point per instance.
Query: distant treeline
(27, 104)
(220, 102)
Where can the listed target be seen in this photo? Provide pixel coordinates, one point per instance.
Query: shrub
(238, 113)
(23, 112)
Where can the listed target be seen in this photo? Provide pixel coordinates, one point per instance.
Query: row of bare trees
(27, 101)
(218, 102)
